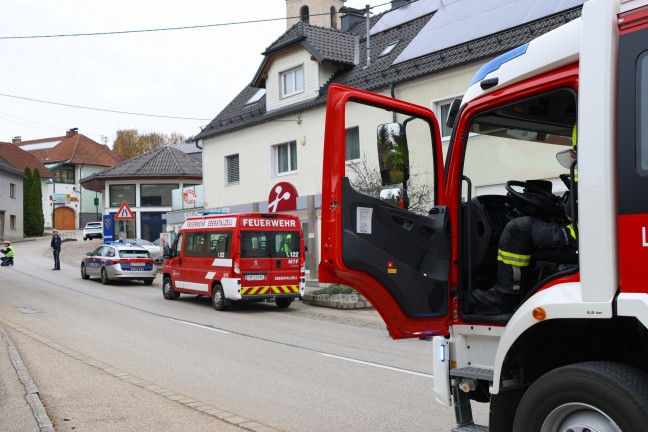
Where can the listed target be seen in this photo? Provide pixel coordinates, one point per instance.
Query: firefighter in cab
(520, 238)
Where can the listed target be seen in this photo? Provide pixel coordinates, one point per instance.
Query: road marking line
(379, 365)
(200, 325)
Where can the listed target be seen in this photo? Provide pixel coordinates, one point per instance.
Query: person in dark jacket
(8, 251)
(56, 248)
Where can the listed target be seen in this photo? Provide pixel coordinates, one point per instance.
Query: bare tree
(366, 178)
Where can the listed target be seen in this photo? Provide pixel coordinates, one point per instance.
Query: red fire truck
(237, 257)
(573, 354)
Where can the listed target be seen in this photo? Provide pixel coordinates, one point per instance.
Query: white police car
(119, 261)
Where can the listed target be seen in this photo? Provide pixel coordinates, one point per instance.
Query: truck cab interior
(522, 145)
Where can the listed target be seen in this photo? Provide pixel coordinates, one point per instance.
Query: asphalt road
(120, 358)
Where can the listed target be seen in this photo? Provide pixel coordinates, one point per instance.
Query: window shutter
(232, 169)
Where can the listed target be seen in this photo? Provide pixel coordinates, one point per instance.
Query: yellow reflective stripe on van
(513, 259)
(284, 289)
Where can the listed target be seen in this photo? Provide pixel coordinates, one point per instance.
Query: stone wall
(338, 301)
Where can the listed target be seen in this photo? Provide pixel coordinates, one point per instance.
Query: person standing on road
(56, 248)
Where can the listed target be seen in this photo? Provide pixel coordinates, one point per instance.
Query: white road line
(200, 325)
(379, 365)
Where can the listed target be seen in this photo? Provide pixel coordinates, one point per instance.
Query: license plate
(254, 277)
(138, 264)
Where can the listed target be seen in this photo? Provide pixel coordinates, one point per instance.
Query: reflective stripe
(513, 259)
(571, 231)
(284, 289)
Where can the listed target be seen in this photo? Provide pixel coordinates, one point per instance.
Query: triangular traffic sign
(124, 212)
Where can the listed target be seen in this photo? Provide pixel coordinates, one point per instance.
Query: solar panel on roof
(405, 14)
(460, 21)
(40, 146)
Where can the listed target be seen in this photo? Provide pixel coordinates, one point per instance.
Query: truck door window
(397, 161)
(642, 114)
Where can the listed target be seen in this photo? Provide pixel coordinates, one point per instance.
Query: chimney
(395, 4)
(71, 132)
(351, 17)
(16, 140)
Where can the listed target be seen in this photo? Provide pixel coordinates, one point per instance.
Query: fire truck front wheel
(218, 298)
(167, 289)
(600, 396)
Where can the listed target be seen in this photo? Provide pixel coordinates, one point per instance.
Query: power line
(162, 29)
(141, 30)
(101, 109)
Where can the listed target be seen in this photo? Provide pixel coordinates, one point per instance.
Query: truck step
(470, 428)
(473, 372)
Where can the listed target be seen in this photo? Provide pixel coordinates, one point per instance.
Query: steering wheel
(535, 201)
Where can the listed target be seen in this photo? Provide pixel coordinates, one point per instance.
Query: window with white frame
(284, 157)
(352, 144)
(232, 167)
(441, 108)
(292, 81)
(12, 190)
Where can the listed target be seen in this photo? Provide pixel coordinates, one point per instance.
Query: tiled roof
(22, 159)
(324, 44)
(382, 72)
(7, 167)
(163, 162)
(77, 149)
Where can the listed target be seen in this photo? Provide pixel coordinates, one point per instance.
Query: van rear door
(270, 263)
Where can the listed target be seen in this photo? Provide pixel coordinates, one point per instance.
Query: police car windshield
(134, 253)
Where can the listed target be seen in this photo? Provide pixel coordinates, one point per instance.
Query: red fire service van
(244, 256)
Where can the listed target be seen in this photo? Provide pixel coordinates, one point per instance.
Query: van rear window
(270, 244)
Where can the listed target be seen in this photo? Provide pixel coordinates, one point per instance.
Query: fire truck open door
(392, 247)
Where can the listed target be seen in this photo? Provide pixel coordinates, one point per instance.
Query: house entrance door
(64, 218)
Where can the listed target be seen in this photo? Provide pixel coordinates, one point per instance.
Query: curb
(32, 396)
(337, 301)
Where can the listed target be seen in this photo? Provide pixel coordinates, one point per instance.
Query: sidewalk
(21, 409)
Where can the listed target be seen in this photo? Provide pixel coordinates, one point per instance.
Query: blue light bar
(495, 64)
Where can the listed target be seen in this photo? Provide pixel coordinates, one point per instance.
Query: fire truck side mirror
(393, 154)
(166, 252)
(452, 112)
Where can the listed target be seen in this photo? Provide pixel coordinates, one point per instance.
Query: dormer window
(304, 14)
(292, 81)
(389, 48)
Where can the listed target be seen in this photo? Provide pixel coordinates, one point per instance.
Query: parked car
(155, 251)
(93, 230)
(119, 261)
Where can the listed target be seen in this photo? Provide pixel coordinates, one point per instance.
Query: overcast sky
(182, 73)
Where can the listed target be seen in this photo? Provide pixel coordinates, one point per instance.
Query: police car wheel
(601, 396)
(104, 276)
(167, 289)
(148, 281)
(218, 298)
(283, 303)
(84, 275)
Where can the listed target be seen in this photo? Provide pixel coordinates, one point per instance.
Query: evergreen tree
(37, 198)
(27, 207)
